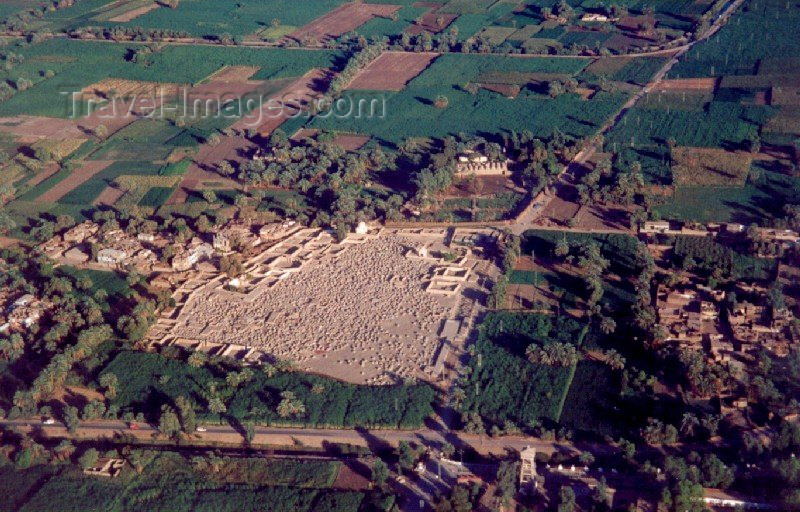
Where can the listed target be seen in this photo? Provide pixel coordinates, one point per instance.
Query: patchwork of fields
(731, 97)
(411, 112)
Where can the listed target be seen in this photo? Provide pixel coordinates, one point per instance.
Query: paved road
(306, 436)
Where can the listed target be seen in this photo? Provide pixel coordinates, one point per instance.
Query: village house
(111, 256)
(655, 227)
(76, 255)
(595, 17)
(753, 327)
(275, 231)
(24, 312)
(235, 235)
(689, 316)
(725, 499)
(472, 163)
(188, 258)
(80, 233)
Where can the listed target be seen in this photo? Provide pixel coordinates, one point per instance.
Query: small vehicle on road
(133, 426)
(201, 429)
(48, 421)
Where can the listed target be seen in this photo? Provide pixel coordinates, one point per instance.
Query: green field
(590, 398)
(109, 281)
(155, 196)
(216, 17)
(88, 191)
(739, 47)
(755, 201)
(384, 27)
(722, 123)
(77, 64)
(411, 112)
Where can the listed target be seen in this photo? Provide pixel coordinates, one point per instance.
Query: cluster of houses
(22, 313)
(784, 237)
(87, 245)
(692, 315)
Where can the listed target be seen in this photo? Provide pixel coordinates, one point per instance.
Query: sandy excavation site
(374, 309)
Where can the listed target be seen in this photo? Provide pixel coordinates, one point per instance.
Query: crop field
(73, 180)
(738, 48)
(384, 27)
(496, 35)
(787, 121)
(432, 22)
(202, 18)
(754, 202)
(155, 196)
(467, 6)
(638, 71)
(391, 71)
(143, 190)
(721, 123)
(411, 112)
(653, 159)
(78, 64)
(709, 167)
(341, 20)
(11, 6)
(87, 192)
(589, 399)
(677, 100)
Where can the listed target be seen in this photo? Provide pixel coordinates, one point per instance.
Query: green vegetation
(156, 196)
(711, 257)
(738, 50)
(639, 71)
(721, 124)
(503, 386)
(149, 380)
(411, 112)
(592, 395)
(77, 64)
(109, 281)
(89, 190)
(219, 17)
(169, 481)
(381, 27)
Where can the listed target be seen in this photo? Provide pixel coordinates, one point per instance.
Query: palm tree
(216, 405)
(607, 325)
(290, 406)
